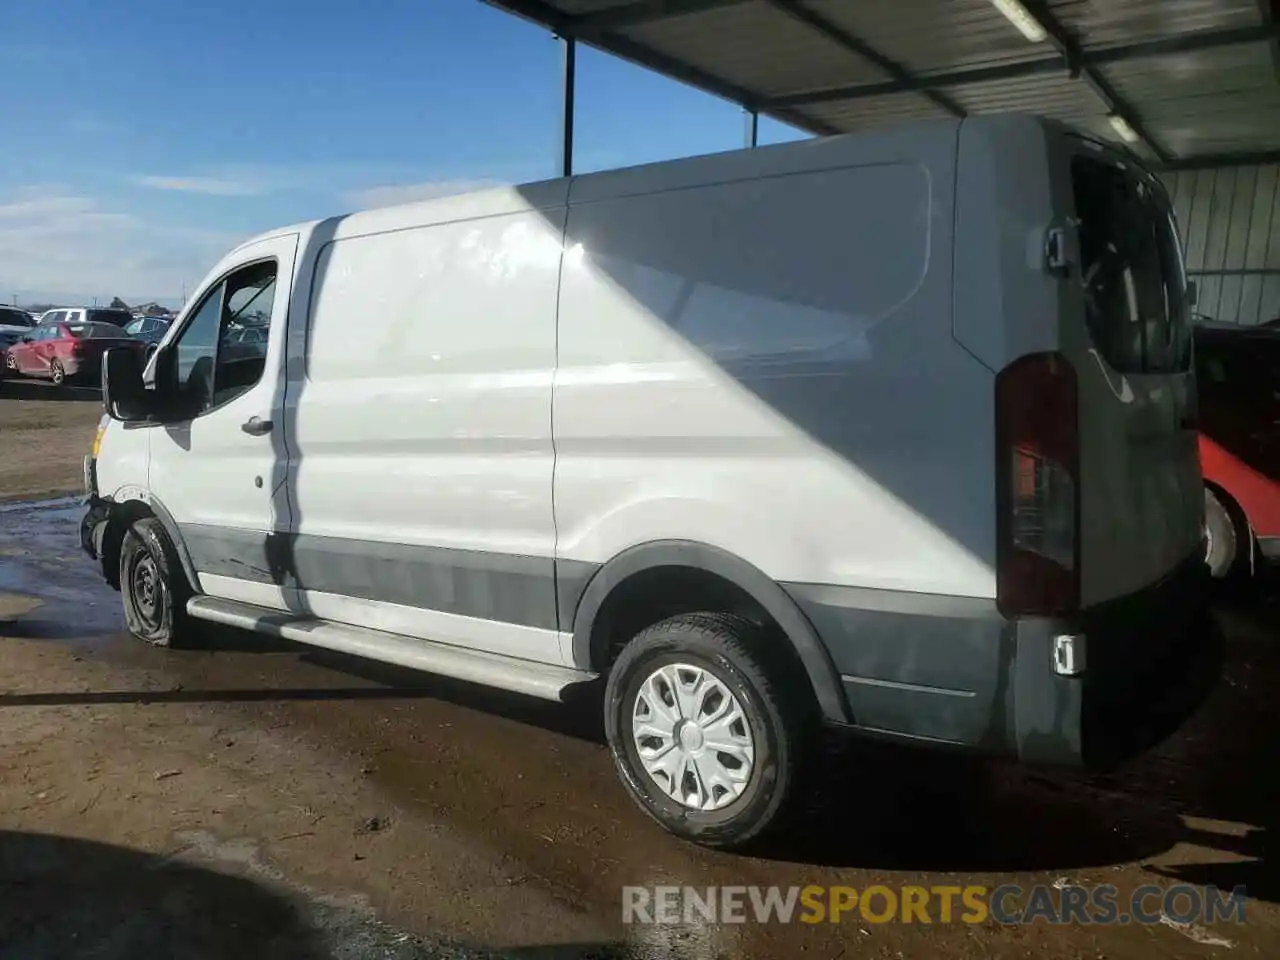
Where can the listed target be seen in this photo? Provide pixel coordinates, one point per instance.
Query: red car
(1238, 379)
(66, 352)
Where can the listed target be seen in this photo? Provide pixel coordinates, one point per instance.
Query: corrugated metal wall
(1230, 222)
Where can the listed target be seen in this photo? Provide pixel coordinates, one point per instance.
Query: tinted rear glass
(1248, 366)
(118, 317)
(15, 318)
(95, 331)
(1131, 269)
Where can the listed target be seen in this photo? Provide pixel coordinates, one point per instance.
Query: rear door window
(95, 331)
(1131, 269)
(14, 318)
(117, 317)
(1243, 368)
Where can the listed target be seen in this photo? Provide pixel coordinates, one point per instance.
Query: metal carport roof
(1196, 82)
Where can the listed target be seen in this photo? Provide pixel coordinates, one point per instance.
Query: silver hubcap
(692, 736)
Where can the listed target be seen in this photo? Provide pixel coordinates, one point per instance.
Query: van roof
(647, 177)
(488, 201)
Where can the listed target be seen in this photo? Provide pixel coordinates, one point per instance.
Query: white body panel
(124, 456)
(208, 472)
(424, 415)
(776, 377)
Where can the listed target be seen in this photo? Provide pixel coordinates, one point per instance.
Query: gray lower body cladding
(946, 671)
(953, 671)
(471, 583)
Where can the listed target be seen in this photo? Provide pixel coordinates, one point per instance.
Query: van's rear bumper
(1151, 659)
(952, 672)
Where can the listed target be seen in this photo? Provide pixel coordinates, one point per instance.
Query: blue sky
(144, 138)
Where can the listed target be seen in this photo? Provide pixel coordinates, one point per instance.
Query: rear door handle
(256, 426)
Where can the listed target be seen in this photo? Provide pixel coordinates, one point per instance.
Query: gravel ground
(44, 435)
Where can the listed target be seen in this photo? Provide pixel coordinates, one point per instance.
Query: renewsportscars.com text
(1008, 904)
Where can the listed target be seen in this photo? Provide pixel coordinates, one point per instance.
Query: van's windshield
(1131, 269)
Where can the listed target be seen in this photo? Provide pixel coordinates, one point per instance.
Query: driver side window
(211, 368)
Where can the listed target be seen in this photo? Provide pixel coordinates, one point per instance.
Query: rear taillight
(1037, 488)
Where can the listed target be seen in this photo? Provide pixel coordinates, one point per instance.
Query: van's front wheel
(152, 584)
(703, 738)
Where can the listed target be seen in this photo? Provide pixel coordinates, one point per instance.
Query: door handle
(256, 426)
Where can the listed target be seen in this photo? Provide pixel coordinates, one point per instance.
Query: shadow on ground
(14, 388)
(68, 899)
(876, 807)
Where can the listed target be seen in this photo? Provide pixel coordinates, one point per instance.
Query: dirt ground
(258, 800)
(44, 435)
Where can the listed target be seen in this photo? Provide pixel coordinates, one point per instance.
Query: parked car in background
(1238, 377)
(248, 337)
(65, 352)
(99, 315)
(14, 325)
(119, 318)
(150, 330)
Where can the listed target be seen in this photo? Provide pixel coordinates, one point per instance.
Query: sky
(142, 139)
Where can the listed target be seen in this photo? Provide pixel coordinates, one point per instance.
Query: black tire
(737, 654)
(10, 362)
(1226, 549)
(157, 615)
(56, 373)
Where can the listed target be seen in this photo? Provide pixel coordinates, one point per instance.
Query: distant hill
(153, 310)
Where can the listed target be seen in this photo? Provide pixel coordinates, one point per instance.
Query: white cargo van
(889, 431)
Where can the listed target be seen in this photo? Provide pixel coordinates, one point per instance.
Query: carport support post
(751, 133)
(566, 115)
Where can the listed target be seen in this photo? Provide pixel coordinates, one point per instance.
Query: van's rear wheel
(152, 585)
(704, 738)
(1225, 544)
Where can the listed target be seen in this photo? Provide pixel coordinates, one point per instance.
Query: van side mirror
(122, 391)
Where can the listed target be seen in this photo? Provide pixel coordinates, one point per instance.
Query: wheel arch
(1236, 512)
(706, 559)
(121, 514)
